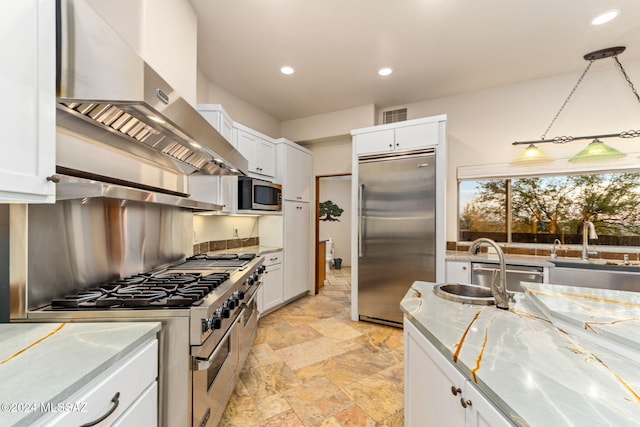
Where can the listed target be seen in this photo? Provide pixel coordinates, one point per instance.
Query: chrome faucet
(498, 291)
(554, 250)
(588, 232)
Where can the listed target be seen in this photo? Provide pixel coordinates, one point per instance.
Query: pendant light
(596, 150)
(532, 155)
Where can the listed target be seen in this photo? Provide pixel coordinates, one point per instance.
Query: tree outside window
(548, 208)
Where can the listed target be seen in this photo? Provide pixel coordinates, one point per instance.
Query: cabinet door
(297, 177)
(297, 279)
(226, 127)
(266, 158)
(417, 136)
(481, 412)
(458, 272)
(247, 145)
(430, 384)
(374, 142)
(27, 109)
(272, 287)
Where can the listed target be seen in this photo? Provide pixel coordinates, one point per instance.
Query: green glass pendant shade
(597, 151)
(532, 155)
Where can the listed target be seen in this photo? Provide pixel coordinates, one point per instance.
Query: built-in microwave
(256, 194)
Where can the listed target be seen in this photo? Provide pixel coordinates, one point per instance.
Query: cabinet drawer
(143, 412)
(272, 258)
(114, 390)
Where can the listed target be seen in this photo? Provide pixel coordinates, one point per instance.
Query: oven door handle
(203, 365)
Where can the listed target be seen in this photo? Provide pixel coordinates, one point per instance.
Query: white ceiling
(436, 47)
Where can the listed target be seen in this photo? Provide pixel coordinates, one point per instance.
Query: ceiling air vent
(393, 116)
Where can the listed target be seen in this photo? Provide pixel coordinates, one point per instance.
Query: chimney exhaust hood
(102, 80)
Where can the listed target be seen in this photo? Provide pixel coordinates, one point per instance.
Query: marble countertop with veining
(44, 363)
(536, 372)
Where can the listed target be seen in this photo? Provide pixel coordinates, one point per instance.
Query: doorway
(333, 226)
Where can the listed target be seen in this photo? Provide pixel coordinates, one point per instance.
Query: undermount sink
(465, 293)
(597, 264)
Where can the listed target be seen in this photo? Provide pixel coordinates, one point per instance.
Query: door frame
(317, 227)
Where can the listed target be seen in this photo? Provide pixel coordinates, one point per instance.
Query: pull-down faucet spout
(499, 290)
(588, 232)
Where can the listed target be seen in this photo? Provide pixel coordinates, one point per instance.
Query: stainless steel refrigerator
(396, 231)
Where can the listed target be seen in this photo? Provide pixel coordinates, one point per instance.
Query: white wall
(338, 190)
(331, 157)
(163, 32)
(169, 43)
(239, 110)
(329, 125)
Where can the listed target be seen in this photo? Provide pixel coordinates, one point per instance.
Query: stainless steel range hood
(103, 81)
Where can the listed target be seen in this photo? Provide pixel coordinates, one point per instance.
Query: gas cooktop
(145, 291)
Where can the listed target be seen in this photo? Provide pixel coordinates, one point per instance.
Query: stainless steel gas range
(208, 307)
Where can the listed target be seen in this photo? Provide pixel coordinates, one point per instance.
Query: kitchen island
(521, 365)
(44, 367)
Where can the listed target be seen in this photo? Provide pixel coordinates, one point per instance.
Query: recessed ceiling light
(385, 71)
(605, 17)
(287, 70)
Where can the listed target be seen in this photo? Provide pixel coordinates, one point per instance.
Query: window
(540, 210)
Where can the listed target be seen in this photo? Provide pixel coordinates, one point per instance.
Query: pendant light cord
(626, 76)
(544, 135)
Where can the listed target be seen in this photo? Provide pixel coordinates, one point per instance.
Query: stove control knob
(261, 269)
(239, 295)
(216, 322)
(236, 301)
(230, 304)
(226, 312)
(206, 325)
(250, 281)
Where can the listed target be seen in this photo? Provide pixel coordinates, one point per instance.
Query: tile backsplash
(220, 245)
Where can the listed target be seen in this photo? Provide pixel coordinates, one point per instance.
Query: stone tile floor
(312, 366)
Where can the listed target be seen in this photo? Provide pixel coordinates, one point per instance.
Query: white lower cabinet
(297, 277)
(124, 395)
(437, 393)
(272, 283)
(458, 271)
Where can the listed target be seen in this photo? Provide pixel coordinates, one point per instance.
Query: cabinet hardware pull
(465, 403)
(455, 390)
(54, 178)
(390, 146)
(116, 401)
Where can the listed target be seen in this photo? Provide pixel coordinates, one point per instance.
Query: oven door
(248, 328)
(214, 379)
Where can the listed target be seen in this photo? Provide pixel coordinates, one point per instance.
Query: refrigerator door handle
(360, 226)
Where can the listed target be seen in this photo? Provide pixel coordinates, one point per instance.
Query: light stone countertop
(258, 250)
(535, 372)
(49, 362)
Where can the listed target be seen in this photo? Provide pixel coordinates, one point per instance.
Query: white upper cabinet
(219, 119)
(401, 136)
(27, 108)
(258, 150)
(294, 170)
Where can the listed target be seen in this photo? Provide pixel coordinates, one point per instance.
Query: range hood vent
(101, 80)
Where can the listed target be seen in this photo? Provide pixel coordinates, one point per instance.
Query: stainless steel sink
(597, 264)
(465, 293)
